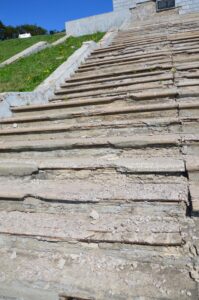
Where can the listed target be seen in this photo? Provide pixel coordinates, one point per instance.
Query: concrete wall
(121, 4)
(186, 6)
(103, 23)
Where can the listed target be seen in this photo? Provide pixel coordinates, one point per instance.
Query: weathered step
(125, 58)
(87, 191)
(137, 141)
(78, 83)
(136, 110)
(113, 71)
(143, 165)
(101, 129)
(132, 62)
(117, 90)
(57, 105)
(116, 84)
(97, 228)
(75, 270)
(123, 44)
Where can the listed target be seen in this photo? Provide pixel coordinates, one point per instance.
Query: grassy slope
(9, 48)
(29, 72)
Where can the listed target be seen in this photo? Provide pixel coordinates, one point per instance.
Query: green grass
(9, 48)
(27, 73)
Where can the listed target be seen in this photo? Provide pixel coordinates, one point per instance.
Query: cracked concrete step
(137, 141)
(69, 266)
(102, 129)
(138, 111)
(93, 227)
(125, 63)
(117, 90)
(127, 52)
(87, 191)
(119, 46)
(105, 128)
(117, 83)
(126, 58)
(188, 48)
(184, 109)
(112, 71)
(143, 165)
(72, 82)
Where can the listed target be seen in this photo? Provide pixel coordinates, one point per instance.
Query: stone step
(114, 90)
(117, 84)
(56, 104)
(183, 108)
(137, 110)
(101, 129)
(119, 46)
(68, 267)
(129, 57)
(113, 71)
(187, 48)
(158, 165)
(103, 228)
(124, 62)
(139, 141)
(87, 191)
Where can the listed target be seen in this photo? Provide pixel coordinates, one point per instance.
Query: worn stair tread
(124, 165)
(117, 124)
(97, 112)
(90, 87)
(122, 70)
(164, 84)
(86, 191)
(93, 227)
(136, 141)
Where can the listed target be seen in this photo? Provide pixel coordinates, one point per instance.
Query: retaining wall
(102, 22)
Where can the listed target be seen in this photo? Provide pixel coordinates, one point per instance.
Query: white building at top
(184, 6)
(124, 9)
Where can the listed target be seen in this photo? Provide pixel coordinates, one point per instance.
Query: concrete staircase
(99, 188)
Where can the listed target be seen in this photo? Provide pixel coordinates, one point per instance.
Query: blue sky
(48, 13)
